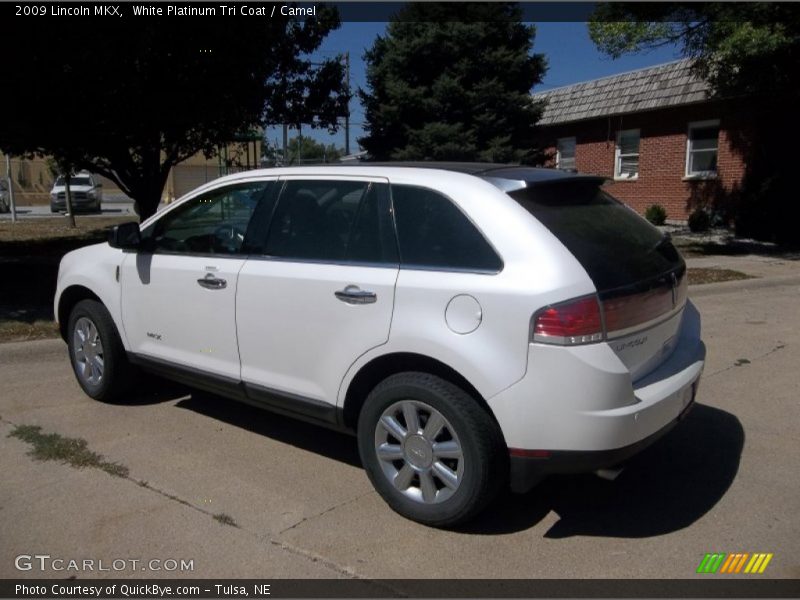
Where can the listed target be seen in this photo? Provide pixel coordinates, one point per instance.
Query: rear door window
(616, 246)
(333, 221)
(434, 234)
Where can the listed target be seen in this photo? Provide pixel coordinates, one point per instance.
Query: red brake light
(573, 322)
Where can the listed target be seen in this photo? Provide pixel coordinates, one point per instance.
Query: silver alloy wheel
(419, 451)
(88, 351)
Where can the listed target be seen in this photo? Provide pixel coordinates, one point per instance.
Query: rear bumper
(577, 409)
(527, 471)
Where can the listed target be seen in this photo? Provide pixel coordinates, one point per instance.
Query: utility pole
(347, 112)
(285, 142)
(11, 190)
(285, 126)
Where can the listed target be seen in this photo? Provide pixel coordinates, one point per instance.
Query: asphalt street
(291, 499)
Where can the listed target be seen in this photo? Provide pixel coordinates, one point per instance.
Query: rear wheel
(431, 451)
(96, 352)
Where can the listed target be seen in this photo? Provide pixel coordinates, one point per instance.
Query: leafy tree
(741, 48)
(452, 81)
(750, 54)
(132, 102)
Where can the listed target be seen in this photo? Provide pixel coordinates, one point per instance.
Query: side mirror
(125, 236)
(98, 185)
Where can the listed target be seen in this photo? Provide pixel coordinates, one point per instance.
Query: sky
(571, 56)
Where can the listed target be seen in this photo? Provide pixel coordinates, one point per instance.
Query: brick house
(655, 133)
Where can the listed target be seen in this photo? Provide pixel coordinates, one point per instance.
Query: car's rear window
(615, 245)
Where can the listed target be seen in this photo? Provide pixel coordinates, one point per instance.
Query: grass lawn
(38, 236)
(30, 251)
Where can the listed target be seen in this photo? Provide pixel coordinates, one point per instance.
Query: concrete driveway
(725, 480)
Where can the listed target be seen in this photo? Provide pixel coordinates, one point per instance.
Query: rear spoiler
(511, 179)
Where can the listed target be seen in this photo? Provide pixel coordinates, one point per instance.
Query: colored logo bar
(737, 562)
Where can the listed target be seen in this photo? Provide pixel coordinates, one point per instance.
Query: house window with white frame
(565, 153)
(626, 154)
(702, 145)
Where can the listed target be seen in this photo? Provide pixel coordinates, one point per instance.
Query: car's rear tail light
(569, 323)
(594, 319)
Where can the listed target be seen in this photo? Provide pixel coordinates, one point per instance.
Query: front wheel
(96, 352)
(431, 451)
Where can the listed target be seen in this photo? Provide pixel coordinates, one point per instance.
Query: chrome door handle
(212, 283)
(352, 294)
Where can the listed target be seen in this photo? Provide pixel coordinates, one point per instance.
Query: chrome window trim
(317, 261)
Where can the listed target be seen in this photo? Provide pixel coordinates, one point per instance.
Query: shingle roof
(670, 84)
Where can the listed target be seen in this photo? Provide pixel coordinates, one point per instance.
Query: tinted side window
(340, 221)
(434, 233)
(372, 239)
(212, 223)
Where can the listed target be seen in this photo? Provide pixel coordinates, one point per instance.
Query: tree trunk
(68, 196)
(147, 195)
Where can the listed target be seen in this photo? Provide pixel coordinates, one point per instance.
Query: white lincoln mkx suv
(474, 325)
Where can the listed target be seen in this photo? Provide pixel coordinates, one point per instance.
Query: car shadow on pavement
(151, 389)
(313, 438)
(667, 487)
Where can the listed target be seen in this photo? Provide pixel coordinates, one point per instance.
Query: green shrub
(656, 214)
(699, 220)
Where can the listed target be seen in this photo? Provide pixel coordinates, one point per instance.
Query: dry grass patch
(46, 228)
(71, 451)
(51, 238)
(699, 276)
(21, 331)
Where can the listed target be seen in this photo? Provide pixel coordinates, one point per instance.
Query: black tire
(485, 462)
(117, 373)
